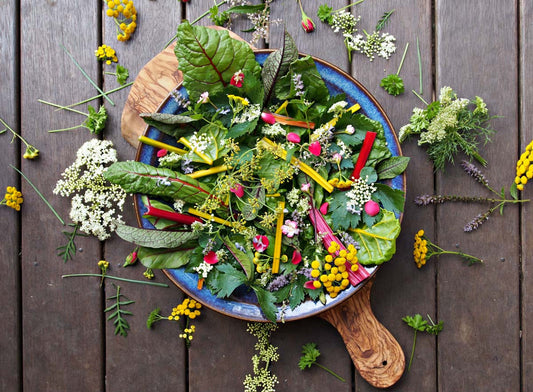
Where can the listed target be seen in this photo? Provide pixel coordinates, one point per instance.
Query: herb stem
(87, 76)
(349, 5)
(412, 352)
(66, 129)
(40, 194)
(420, 97)
(419, 65)
(330, 371)
(403, 58)
(116, 278)
(62, 107)
(96, 96)
(14, 133)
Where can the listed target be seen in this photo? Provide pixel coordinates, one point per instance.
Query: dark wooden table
(54, 333)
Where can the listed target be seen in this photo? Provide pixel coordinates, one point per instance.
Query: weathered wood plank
(526, 241)
(155, 358)
(400, 288)
(10, 360)
(479, 347)
(61, 318)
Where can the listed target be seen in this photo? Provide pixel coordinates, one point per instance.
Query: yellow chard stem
(158, 144)
(354, 108)
(203, 215)
(278, 240)
(204, 157)
(280, 152)
(207, 172)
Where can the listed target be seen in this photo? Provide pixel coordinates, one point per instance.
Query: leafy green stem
(349, 5)
(62, 107)
(403, 58)
(95, 97)
(329, 371)
(40, 194)
(116, 278)
(412, 352)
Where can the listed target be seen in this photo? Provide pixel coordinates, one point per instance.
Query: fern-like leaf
(68, 251)
(118, 314)
(384, 20)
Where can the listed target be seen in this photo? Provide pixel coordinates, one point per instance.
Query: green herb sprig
(384, 20)
(95, 121)
(392, 83)
(310, 354)
(419, 324)
(118, 314)
(68, 250)
(122, 74)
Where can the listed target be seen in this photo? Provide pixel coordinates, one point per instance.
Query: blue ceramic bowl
(243, 303)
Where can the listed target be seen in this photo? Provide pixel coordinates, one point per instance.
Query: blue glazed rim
(243, 304)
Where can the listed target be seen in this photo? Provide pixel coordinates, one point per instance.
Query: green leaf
(378, 243)
(361, 124)
(297, 295)
(240, 129)
(96, 120)
(155, 238)
(214, 135)
(416, 322)
(243, 258)
(392, 84)
(392, 167)
(153, 317)
(170, 124)
(310, 354)
(137, 177)
(314, 86)
(160, 223)
(267, 302)
(277, 65)
(340, 217)
(324, 13)
(384, 20)
(208, 59)
(513, 190)
(122, 74)
(164, 258)
(246, 9)
(227, 280)
(391, 199)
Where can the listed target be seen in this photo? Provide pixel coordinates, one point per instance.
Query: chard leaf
(267, 302)
(170, 124)
(164, 258)
(361, 124)
(314, 86)
(215, 136)
(391, 199)
(160, 223)
(137, 177)
(227, 280)
(155, 238)
(277, 65)
(208, 59)
(378, 243)
(243, 258)
(392, 167)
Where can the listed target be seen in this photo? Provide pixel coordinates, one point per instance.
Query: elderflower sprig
(497, 203)
(95, 203)
(31, 151)
(450, 125)
(261, 376)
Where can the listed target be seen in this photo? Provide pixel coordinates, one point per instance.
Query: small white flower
(204, 97)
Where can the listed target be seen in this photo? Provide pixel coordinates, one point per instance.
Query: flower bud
(268, 118)
(307, 24)
(293, 137)
(372, 208)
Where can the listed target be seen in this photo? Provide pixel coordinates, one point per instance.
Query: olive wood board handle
(375, 353)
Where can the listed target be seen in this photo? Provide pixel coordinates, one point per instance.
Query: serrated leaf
(155, 238)
(267, 303)
(227, 280)
(208, 59)
(297, 296)
(164, 258)
(416, 322)
(378, 243)
(137, 177)
(277, 65)
(392, 167)
(391, 199)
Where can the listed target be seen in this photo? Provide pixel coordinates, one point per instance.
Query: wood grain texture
(400, 288)
(375, 353)
(10, 339)
(526, 240)
(476, 55)
(61, 323)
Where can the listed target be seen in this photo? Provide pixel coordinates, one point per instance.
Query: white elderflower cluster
(274, 130)
(338, 108)
(170, 160)
(250, 113)
(198, 143)
(372, 45)
(96, 203)
(344, 21)
(360, 193)
(203, 269)
(293, 196)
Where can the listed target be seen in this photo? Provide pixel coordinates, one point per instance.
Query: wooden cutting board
(374, 351)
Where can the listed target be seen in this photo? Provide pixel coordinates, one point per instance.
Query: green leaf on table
(208, 59)
(277, 65)
(384, 20)
(513, 190)
(392, 167)
(155, 238)
(378, 243)
(310, 354)
(122, 74)
(164, 258)
(137, 177)
(119, 314)
(391, 199)
(324, 13)
(96, 120)
(416, 322)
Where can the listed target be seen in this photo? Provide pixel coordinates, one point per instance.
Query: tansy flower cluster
(524, 169)
(332, 274)
(12, 198)
(106, 53)
(420, 249)
(127, 25)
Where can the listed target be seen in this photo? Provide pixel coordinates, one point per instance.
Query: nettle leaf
(164, 258)
(378, 243)
(170, 124)
(208, 59)
(361, 124)
(137, 177)
(227, 280)
(240, 129)
(297, 294)
(391, 199)
(340, 217)
(267, 302)
(392, 167)
(155, 238)
(277, 65)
